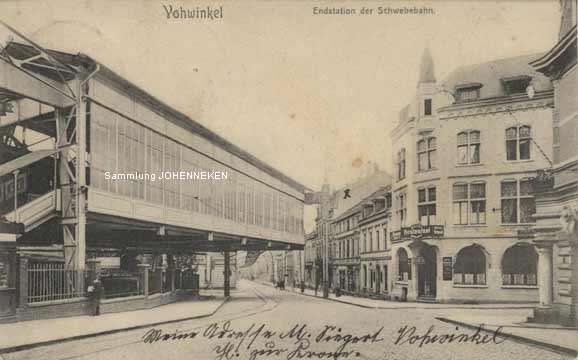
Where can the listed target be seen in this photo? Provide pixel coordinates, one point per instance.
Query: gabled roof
(357, 207)
(358, 191)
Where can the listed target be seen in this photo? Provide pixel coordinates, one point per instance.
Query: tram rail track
(105, 340)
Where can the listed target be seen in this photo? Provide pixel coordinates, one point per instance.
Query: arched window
(403, 265)
(518, 140)
(519, 265)
(470, 266)
(426, 154)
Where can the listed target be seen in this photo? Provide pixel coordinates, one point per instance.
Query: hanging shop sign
(526, 233)
(417, 231)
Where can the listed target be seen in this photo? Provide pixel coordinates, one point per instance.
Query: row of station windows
(119, 145)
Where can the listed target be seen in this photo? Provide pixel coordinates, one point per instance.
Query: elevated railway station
(67, 122)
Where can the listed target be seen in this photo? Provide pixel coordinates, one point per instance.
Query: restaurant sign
(417, 231)
(526, 233)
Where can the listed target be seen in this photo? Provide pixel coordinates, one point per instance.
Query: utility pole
(325, 260)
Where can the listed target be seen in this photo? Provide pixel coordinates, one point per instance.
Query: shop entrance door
(427, 272)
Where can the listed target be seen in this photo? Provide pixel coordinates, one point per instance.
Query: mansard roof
(491, 76)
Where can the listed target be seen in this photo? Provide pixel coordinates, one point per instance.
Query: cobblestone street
(235, 332)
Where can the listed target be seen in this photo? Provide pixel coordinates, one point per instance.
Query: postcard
(287, 180)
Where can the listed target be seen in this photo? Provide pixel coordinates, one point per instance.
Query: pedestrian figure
(95, 292)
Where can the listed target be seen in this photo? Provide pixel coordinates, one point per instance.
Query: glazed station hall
(67, 122)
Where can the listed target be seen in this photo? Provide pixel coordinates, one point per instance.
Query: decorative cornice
(497, 105)
(544, 63)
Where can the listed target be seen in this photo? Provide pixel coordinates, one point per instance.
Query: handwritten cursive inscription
(154, 335)
(407, 335)
(258, 341)
(296, 342)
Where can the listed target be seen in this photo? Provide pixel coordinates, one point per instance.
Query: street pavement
(387, 304)
(256, 324)
(26, 333)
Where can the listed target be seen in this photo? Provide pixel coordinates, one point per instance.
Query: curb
(322, 298)
(441, 307)
(29, 346)
(520, 339)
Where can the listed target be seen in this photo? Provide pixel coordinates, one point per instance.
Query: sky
(314, 96)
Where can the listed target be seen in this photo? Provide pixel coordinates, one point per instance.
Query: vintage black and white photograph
(287, 180)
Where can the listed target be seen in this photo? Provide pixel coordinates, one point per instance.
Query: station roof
(68, 63)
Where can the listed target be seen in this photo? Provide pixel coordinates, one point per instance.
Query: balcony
(543, 181)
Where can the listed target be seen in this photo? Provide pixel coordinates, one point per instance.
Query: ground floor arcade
(490, 270)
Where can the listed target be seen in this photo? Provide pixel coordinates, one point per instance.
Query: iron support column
(227, 270)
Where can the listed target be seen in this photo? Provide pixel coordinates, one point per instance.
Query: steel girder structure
(29, 71)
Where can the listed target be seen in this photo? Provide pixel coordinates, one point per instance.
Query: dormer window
(468, 92)
(368, 209)
(516, 84)
(379, 204)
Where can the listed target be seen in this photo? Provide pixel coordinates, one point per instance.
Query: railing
(118, 284)
(52, 282)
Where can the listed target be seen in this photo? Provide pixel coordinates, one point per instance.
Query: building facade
(375, 245)
(557, 186)
(465, 150)
(312, 259)
(345, 251)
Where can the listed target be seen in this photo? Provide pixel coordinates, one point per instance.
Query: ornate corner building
(557, 186)
(466, 150)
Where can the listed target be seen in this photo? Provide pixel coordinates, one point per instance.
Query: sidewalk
(28, 334)
(390, 304)
(554, 337)
(513, 322)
